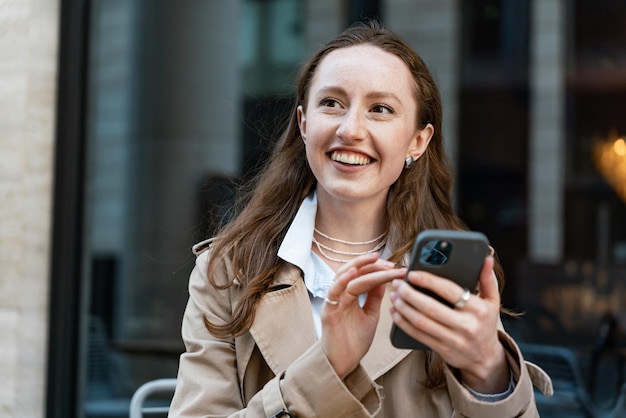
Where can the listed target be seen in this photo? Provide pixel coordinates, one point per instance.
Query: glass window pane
(170, 88)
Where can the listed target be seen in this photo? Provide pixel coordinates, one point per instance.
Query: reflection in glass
(435, 252)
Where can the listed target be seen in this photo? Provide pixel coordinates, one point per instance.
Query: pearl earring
(409, 161)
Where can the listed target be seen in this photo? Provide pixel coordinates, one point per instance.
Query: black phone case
(469, 249)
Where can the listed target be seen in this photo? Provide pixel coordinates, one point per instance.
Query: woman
(291, 304)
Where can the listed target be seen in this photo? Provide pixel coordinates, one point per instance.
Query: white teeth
(352, 159)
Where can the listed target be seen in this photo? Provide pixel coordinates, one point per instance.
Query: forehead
(365, 66)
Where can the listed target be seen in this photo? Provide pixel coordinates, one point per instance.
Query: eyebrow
(372, 95)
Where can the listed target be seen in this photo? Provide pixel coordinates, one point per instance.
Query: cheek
(311, 149)
(398, 166)
(396, 155)
(393, 161)
(316, 132)
(398, 146)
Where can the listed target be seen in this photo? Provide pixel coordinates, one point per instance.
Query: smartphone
(455, 255)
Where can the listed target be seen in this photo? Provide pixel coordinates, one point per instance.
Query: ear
(420, 142)
(301, 122)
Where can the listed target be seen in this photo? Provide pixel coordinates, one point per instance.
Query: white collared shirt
(296, 249)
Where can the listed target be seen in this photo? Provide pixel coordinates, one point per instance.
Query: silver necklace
(378, 238)
(321, 247)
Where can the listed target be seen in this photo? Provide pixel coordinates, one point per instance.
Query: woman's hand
(347, 328)
(466, 338)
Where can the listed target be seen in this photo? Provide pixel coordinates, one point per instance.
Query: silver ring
(465, 297)
(331, 302)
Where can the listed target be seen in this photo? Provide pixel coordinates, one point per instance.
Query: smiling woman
(291, 304)
(361, 113)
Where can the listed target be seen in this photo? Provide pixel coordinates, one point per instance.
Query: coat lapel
(283, 327)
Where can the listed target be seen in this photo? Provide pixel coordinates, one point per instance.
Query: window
(494, 126)
(175, 94)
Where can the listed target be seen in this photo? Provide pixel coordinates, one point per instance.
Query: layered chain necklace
(380, 242)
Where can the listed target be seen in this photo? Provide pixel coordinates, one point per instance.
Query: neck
(350, 221)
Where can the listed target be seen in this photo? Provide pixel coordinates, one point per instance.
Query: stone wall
(28, 66)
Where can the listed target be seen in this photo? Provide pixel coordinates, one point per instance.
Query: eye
(329, 102)
(382, 108)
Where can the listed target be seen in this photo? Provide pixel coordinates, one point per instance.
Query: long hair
(418, 200)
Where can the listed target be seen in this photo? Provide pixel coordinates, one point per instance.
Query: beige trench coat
(278, 365)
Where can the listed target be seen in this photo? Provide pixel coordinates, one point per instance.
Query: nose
(352, 126)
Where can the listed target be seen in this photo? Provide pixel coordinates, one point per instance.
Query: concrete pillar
(323, 20)
(547, 131)
(432, 27)
(28, 75)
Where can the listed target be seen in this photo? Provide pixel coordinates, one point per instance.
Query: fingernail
(393, 296)
(396, 283)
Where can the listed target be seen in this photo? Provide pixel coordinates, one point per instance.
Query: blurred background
(157, 109)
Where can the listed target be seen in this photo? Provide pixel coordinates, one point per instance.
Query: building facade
(125, 124)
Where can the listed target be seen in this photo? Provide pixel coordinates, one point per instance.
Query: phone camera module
(435, 252)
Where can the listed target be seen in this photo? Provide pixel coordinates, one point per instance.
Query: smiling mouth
(350, 158)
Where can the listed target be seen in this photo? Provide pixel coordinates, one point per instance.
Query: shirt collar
(296, 249)
(296, 246)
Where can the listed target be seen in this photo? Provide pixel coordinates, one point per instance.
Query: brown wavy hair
(418, 200)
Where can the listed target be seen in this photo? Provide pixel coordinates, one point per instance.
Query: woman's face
(360, 123)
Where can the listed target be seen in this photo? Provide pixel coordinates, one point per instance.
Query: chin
(353, 193)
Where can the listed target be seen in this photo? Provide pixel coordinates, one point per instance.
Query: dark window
(165, 107)
(596, 93)
(493, 126)
(359, 10)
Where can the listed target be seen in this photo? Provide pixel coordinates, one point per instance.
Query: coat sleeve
(208, 384)
(520, 403)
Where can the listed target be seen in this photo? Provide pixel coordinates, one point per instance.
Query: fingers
(412, 303)
(358, 262)
(374, 300)
(420, 309)
(359, 267)
(430, 321)
(445, 289)
(369, 270)
(455, 294)
(422, 327)
(369, 281)
(337, 293)
(447, 330)
(347, 327)
(488, 282)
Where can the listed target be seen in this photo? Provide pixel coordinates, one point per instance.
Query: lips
(350, 158)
